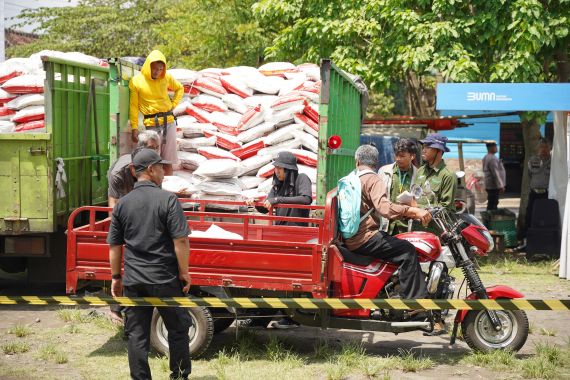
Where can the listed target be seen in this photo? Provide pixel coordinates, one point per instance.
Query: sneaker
(285, 323)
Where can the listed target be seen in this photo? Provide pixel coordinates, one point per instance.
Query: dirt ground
(104, 347)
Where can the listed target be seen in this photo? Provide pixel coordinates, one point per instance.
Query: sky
(14, 7)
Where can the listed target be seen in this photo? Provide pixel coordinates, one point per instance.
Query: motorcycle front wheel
(480, 335)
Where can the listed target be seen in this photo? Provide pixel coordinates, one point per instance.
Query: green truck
(86, 130)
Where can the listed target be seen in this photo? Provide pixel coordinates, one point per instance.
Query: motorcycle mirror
(416, 191)
(460, 174)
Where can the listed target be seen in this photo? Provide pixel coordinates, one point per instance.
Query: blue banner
(503, 96)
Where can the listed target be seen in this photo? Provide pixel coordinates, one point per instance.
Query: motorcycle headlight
(489, 238)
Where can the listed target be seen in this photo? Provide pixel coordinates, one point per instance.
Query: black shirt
(146, 221)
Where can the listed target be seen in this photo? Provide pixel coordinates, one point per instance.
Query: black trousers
(137, 327)
(402, 253)
(492, 199)
(532, 196)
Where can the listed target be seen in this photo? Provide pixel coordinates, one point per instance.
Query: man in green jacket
(439, 184)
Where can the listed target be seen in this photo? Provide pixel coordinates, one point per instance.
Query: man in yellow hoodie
(149, 95)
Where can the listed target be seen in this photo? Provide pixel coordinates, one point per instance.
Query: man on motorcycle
(370, 241)
(398, 178)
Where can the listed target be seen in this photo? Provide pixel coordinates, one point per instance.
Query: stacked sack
(233, 122)
(22, 87)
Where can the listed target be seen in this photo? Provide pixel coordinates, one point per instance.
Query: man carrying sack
(149, 95)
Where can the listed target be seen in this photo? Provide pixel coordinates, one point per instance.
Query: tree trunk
(531, 135)
(420, 100)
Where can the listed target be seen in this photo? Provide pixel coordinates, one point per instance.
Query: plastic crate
(502, 221)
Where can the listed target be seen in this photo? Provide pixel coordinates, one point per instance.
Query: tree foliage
(192, 33)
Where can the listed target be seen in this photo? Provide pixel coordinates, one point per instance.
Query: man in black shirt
(150, 223)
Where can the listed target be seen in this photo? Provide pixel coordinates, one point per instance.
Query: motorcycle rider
(371, 241)
(398, 178)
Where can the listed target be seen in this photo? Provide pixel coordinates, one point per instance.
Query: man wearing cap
(439, 184)
(149, 95)
(150, 223)
(495, 176)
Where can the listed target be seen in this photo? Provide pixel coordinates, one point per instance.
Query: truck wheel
(221, 324)
(201, 331)
(480, 335)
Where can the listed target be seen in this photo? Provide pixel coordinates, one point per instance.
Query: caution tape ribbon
(295, 303)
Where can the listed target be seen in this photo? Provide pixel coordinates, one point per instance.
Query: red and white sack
(309, 125)
(12, 68)
(200, 115)
(277, 68)
(266, 171)
(234, 84)
(224, 140)
(178, 185)
(305, 157)
(26, 101)
(267, 85)
(310, 171)
(6, 113)
(25, 84)
(31, 126)
(241, 71)
(227, 122)
(265, 186)
(219, 168)
(273, 151)
(254, 194)
(312, 111)
(5, 97)
(255, 132)
(191, 161)
(264, 100)
(31, 113)
(220, 186)
(308, 141)
(297, 75)
(192, 145)
(290, 85)
(211, 86)
(251, 118)
(235, 103)
(184, 76)
(180, 109)
(7, 126)
(288, 101)
(213, 152)
(252, 164)
(283, 117)
(212, 72)
(312, 71)
(209, 103)
(194, 130)
(216, 198)
(185, 121)
(250, 182)
(283, 134)
(186, 174)
(249, 150)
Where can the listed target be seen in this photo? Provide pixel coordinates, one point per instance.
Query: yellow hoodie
(150, 96)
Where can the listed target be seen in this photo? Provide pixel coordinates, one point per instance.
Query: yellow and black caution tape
(295, 303)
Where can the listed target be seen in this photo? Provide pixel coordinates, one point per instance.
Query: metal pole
(2, 35)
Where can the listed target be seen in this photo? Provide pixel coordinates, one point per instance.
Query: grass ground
(84, 344)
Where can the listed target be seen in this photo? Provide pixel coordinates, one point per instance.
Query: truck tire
(221, 324)
(479, 334)
(201, 332)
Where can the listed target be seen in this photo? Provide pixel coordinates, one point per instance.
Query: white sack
(218, 168)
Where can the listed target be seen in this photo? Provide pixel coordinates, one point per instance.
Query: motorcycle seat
(353, 258)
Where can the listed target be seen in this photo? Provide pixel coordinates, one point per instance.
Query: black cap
(146, 157)
(286, 160)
